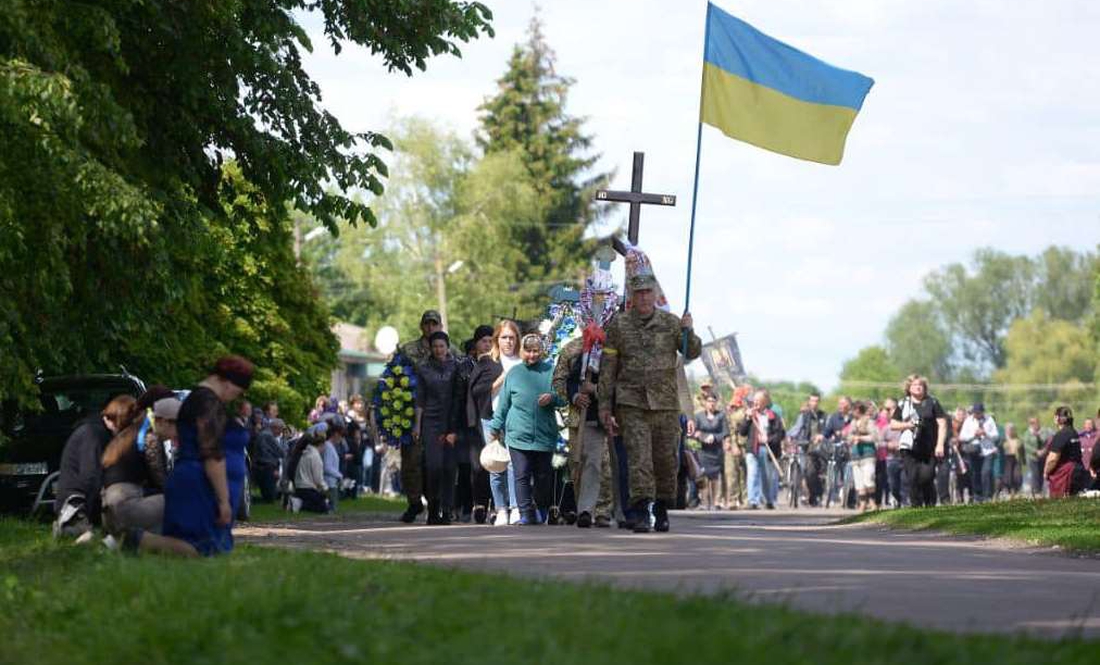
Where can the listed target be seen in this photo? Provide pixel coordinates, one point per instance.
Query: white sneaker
(295, 504)
(514, 518)
(85, 538)
(110, 542)
(502, 518)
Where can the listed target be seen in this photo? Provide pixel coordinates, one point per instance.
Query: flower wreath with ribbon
(394, 401)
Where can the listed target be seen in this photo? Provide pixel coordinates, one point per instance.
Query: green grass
(1072, 524)
(273, 512)
(70, 605)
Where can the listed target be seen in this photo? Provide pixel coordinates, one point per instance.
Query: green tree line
(481, 228)
(153, 153)
(1020, 333)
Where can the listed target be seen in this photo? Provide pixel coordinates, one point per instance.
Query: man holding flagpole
(639, 375)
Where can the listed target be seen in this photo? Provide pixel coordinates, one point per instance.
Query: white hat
(167, 408)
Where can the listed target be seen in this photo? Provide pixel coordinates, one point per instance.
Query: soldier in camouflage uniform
(412, 454)
(639, 375)
(588, 449)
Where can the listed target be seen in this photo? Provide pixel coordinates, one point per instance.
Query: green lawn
(273, 512)
(1072, 524)
(68, 605)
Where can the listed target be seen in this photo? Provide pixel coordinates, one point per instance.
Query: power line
(988, 387)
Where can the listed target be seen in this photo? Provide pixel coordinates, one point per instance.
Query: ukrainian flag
(759, 90)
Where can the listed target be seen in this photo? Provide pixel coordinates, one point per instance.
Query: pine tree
(528, 116)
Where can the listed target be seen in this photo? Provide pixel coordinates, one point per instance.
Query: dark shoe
(584, 520)
(444, 519)
(434, 516)
(603, 522)
(553, 515)
(479, 514)
(754, 506)
(641, 517)
(660, 513)
(570, 518)
(414, 509)
(771, 506)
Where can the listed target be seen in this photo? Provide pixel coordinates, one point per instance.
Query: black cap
(482, 331)
(977, 408)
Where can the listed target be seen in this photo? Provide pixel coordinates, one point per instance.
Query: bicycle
(838, 474)
(795, 475)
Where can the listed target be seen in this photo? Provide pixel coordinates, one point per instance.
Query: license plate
(27, 469)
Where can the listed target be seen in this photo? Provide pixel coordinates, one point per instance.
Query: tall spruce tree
(527, 116)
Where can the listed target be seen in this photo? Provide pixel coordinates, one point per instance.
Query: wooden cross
(636, 198)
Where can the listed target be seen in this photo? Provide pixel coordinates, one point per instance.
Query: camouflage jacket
(418, 351)
(567, 381)
(640, 359)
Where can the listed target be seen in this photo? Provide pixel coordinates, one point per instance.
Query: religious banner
(722, 358)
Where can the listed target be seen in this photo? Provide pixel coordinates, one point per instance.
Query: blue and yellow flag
(759, 90)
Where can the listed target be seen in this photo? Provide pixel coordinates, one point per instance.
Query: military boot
(415, 508)
(641, 517)
(660, 512)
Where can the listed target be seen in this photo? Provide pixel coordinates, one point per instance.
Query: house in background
(359, 363)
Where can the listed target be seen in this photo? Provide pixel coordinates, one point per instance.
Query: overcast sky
(982, 129)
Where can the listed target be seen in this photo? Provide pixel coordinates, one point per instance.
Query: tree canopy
(152, 153)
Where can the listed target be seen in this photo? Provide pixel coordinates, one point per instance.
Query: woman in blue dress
(204, 491)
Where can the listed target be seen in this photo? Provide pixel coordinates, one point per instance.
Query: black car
(32, 439)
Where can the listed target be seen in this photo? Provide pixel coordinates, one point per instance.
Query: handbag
(494, 457)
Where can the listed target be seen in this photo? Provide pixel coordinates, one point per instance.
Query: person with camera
(923, 426)
(978, 438)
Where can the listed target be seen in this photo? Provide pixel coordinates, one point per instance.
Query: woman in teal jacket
(526, 413)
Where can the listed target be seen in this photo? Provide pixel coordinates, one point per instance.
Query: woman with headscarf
(435, 417)
(525, 415)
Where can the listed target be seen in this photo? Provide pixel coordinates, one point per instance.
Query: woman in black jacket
(472, 493)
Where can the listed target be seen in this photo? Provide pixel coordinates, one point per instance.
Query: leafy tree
(980, 305)
(442, 206)
(916, 341)
(872, 364)
(1065, 283)
(119, 217)
(527, 116)
(1042, 350)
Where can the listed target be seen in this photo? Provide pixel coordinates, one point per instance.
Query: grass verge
(273, 512)
(67, 604)
(1071, 524)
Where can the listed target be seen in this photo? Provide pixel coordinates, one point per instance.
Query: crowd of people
(169, 471)
(902, 452)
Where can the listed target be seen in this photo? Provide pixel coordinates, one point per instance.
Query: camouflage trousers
(412, 471)
(589, 465)
(734, 480)
(651, 439)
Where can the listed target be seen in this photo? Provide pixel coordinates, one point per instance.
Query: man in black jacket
(269, 454)
(808, 433)
(78, 503)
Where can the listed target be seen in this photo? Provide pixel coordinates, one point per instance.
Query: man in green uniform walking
(639, 377)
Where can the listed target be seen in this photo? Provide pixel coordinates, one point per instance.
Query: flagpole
(695, 185)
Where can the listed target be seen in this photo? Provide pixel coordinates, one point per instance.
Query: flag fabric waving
(759, 90)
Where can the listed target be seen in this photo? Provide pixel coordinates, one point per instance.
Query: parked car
(32, 439)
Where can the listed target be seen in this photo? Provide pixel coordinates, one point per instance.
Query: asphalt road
(796, 558)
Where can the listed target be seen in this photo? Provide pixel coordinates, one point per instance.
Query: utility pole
(441, 289)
